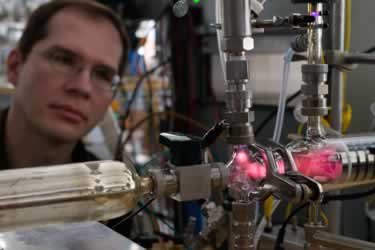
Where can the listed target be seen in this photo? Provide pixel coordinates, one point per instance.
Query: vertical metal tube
(337, 38)
(237, 14)
(315, 36)
(236, 43)
(314, 128)
(315, 57)
(243, 225)
(336, 42)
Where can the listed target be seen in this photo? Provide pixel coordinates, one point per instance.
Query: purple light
(315, 14)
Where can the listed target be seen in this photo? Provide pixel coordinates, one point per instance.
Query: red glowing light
(254, 169)
(241, 158)
(321, 164)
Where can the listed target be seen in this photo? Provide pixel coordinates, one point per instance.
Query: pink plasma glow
(254, 170)
(320, 164)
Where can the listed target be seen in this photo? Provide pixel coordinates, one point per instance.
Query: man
(65, 70)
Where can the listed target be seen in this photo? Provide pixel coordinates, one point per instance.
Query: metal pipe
(348, 185)
(314, 128)
(236, 43)
(314, 74)
(332, 241)
(236, 26)
(243, 225)
(315, 36)
(337, 37)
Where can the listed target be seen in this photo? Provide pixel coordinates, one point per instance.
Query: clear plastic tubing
(283, 96)
(90, 191)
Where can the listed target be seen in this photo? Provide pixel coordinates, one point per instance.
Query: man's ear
(14, 63)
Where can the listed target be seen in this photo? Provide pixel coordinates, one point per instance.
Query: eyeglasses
(70, 64)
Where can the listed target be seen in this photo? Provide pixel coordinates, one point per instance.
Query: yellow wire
(300, 129)
(347, 40)
(268, 208)
(324, 218)
(288, 209)
(347, 110)
(348, 24)
(325, 122)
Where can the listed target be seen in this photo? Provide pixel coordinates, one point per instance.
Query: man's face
(63, 106)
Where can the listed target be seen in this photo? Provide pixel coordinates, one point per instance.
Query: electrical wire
(175, 116)
(150, 107)
(326, 199)
(133, 214)
(119, 149)
(161, 218)
(345, 197)
(263, 224)
(324, 218)
(165, 113)
(369, 50)
(268, 208)
(281, 234)
(139, 84)
(348, 32)
(288, 210)
(274, 113)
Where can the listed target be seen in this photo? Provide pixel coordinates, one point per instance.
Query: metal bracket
(292, 185)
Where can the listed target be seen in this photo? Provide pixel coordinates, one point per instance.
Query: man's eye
(62, 58)
(104, 75)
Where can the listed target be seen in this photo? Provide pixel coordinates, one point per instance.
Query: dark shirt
(79, 154)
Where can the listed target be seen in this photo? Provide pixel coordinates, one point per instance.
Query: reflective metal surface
(82, 236)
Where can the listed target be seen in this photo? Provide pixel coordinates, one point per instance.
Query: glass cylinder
(91, 191)
(323, 160)
(344, 160)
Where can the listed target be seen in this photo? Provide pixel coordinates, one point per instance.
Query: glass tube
(91, 191)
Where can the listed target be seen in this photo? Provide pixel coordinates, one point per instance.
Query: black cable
(118, 151)
(164, 219)
(281, 234)
(345, 197)
(326, 199)
(213, 133)
(274, 113)
(370, 50)
(133, 214)
(150, 109)
(139, 84)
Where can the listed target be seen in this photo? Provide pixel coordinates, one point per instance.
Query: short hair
(37, 26)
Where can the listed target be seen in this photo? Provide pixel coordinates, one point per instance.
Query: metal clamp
(292, 185)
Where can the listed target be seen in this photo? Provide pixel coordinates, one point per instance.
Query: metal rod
(315, 57)
(337, 37)
(341, 242)
(315, 36)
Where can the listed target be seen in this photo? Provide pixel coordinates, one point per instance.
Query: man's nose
(80, 84)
